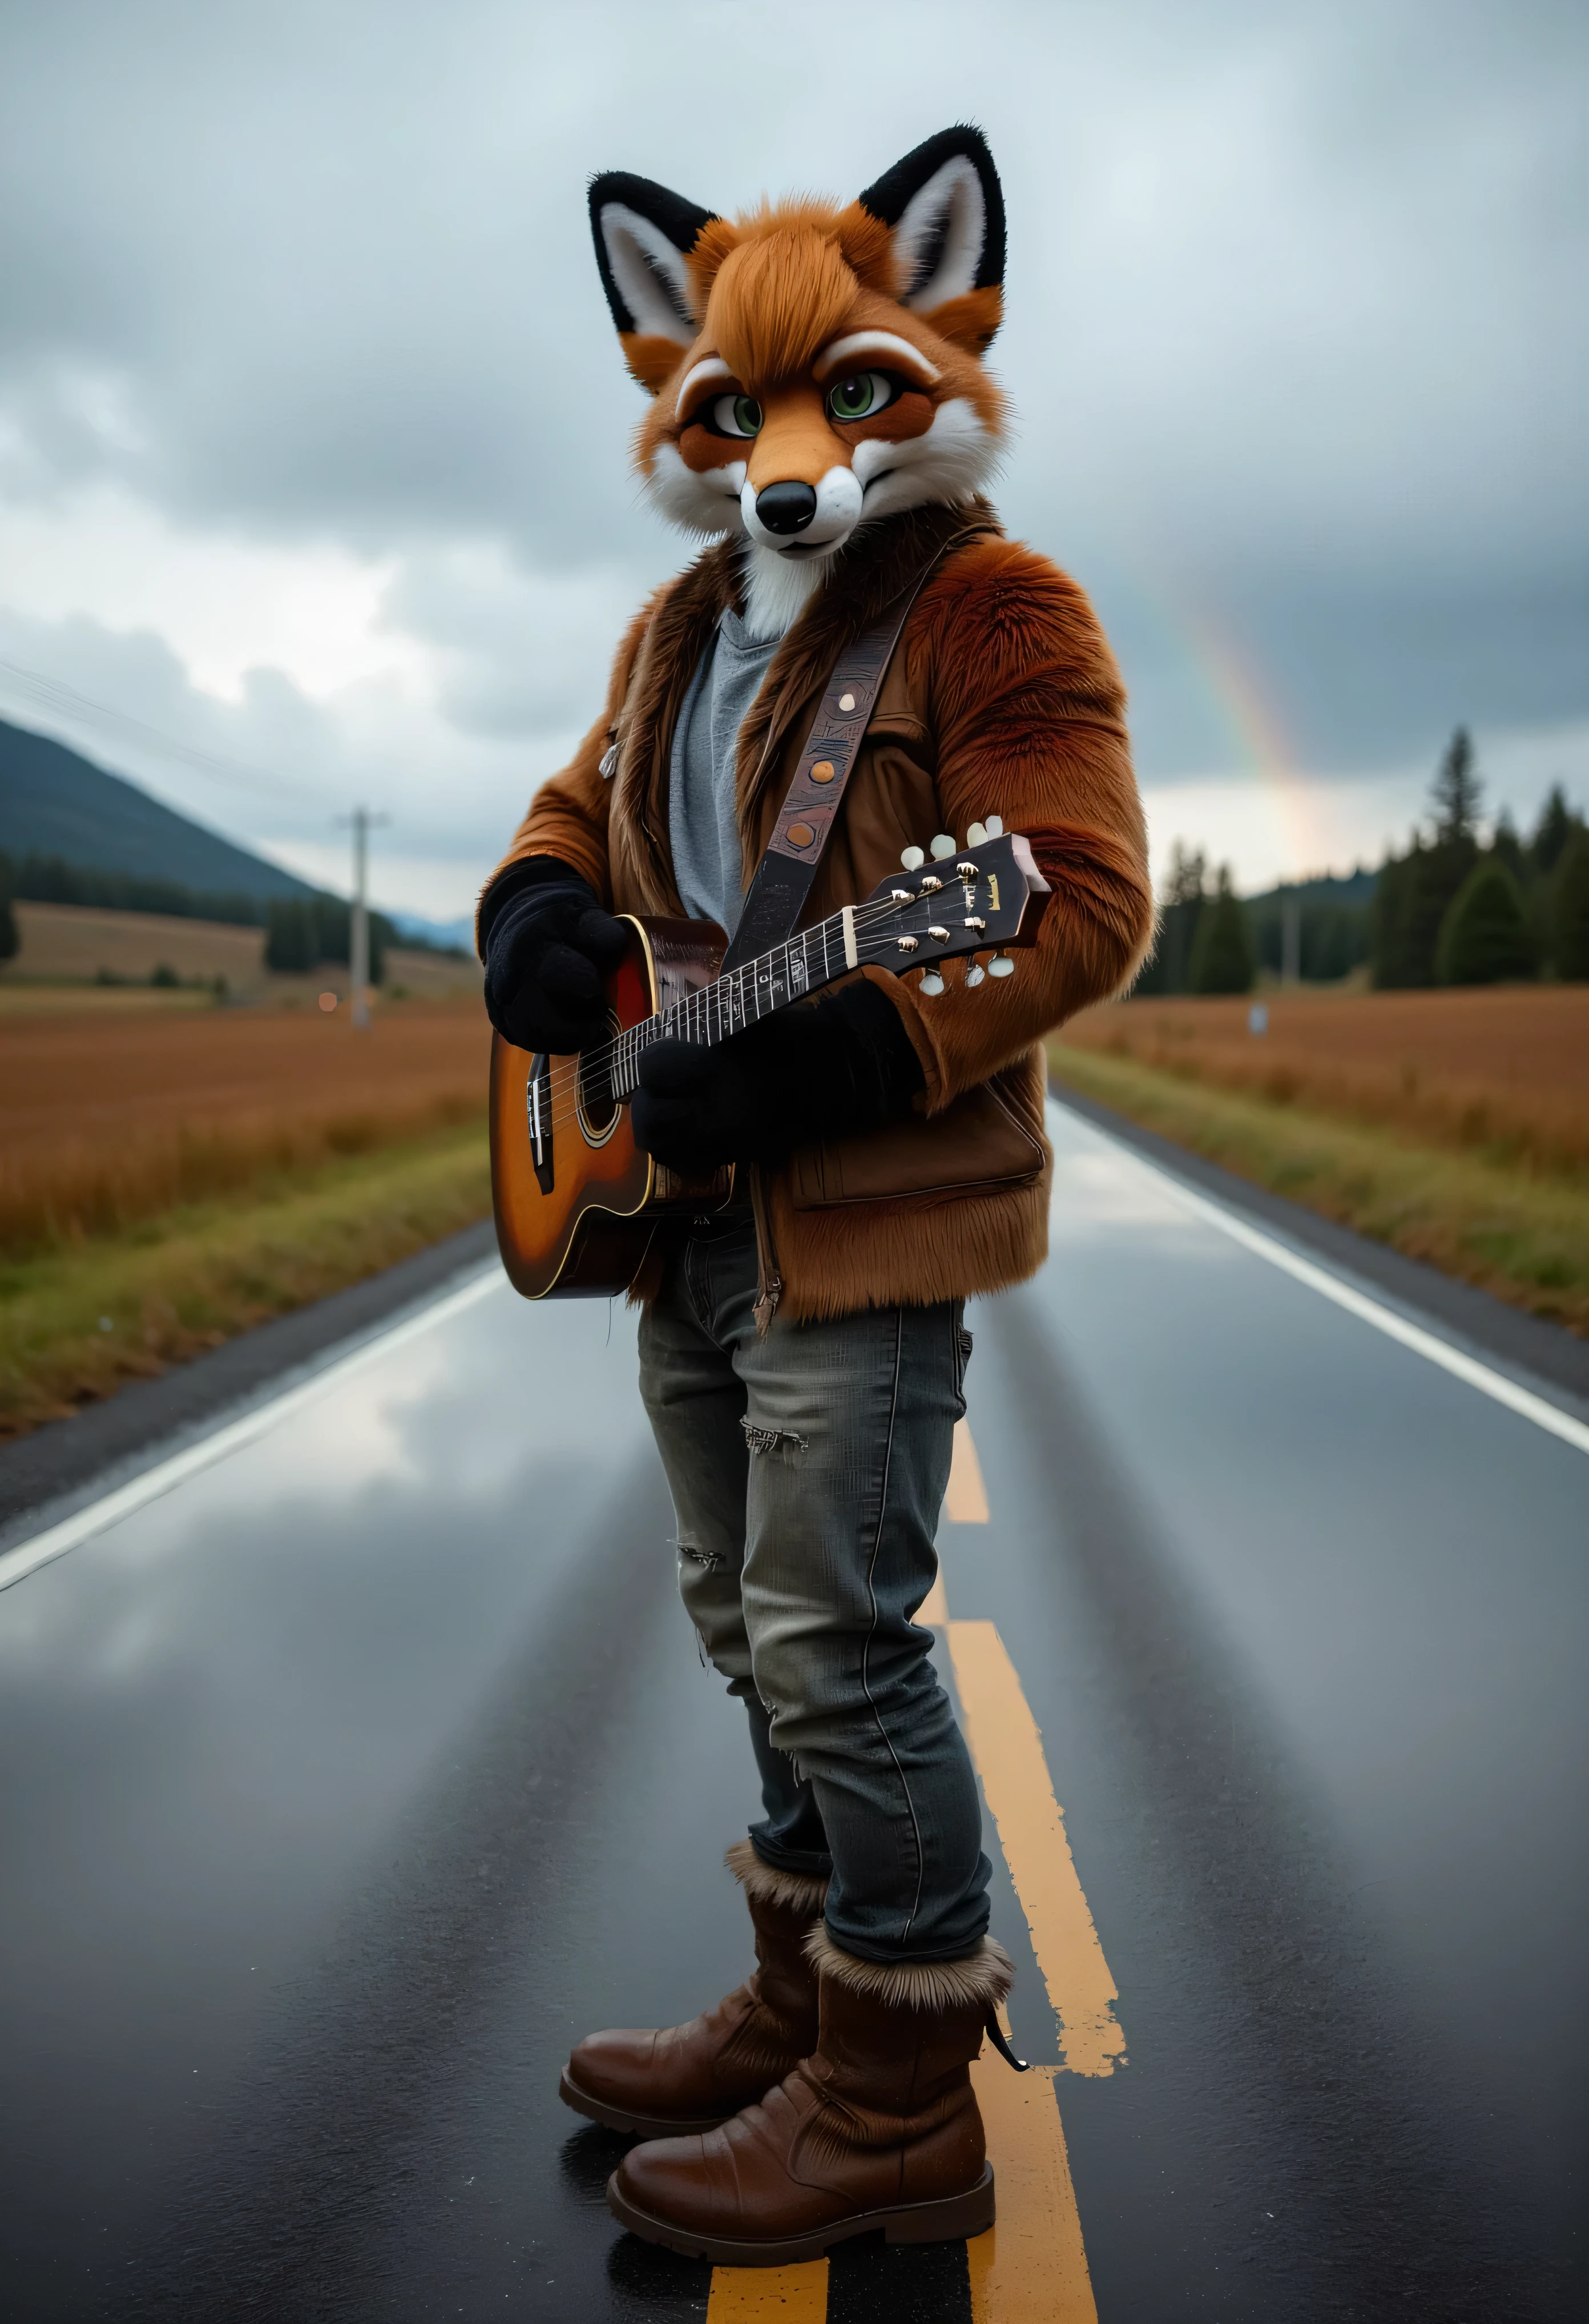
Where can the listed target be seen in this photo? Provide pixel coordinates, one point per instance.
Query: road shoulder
(1538, 1355)
(56, 1469)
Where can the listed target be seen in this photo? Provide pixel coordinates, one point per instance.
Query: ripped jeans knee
(762, 1440)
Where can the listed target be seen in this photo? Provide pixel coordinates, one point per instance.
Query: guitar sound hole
(597, 1106)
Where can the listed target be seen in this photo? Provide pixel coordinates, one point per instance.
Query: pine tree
(1456, 791)
(1570, 911)
(1557, 826)
(1508, 848)
(1484, 935)
(1180, 907)
(1222, 951)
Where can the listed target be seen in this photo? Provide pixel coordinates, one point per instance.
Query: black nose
(786, 508)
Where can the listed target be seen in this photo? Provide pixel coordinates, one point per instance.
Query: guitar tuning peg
(975, 973)
(913, 859)
(942, 845)
(993, 824)
(1001, 965)
(976, 834)
(932, 983)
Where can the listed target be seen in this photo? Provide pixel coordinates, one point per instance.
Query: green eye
(858, 398)
(737, 415)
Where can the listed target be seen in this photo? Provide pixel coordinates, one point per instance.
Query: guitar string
(570, 1080)
(565, 1080)
(567, 1086)
(867, 916)
(865, 922)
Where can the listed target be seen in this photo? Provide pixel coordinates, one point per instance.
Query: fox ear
(945, 210)
(644, 236)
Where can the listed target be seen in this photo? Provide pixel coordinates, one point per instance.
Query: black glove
(820, 1069)
(547, 944)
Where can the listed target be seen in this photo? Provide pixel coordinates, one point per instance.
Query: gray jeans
(808, 1470)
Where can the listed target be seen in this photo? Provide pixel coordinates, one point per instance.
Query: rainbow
(1244, 708)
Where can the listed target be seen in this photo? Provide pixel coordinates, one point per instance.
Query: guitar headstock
(985, 897)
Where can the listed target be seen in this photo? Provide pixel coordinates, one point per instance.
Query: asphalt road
(354, 1775)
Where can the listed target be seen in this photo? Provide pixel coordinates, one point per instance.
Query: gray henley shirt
(702, 823)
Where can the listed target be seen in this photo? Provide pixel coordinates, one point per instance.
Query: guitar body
(576, 1201)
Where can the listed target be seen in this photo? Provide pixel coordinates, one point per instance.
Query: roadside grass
(110, 1121)
(82, 1317)
(74, 1189)
(1497, 1072)
(1519, 1233)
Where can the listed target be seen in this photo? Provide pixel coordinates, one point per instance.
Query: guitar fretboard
(809, 959)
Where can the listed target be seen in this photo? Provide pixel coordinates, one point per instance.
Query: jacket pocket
(979, 1142)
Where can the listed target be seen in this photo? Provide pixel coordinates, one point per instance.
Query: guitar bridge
(538, 1106)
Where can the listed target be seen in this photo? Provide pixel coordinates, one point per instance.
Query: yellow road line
(1032, 2266)
(769, 2295)
(966, 1500)
(1008, 1751)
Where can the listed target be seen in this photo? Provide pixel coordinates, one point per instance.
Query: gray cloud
(1295, 324)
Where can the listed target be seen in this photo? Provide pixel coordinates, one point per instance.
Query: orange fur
(775, 287)
(971, 320)
(776, 302)
(651, 361)
(798, 441)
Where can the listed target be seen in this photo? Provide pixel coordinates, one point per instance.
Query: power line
(51, 694)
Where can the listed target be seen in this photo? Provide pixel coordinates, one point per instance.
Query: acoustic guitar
(576, 1201)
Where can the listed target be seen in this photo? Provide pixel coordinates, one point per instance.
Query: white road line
(1468, 1368)
(27, 1556)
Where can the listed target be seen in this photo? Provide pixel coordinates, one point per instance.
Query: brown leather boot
(879, 2128)
(691, 2078)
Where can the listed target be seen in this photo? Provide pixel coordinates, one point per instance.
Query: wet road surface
(350, 1779)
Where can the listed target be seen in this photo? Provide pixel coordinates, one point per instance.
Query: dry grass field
(1453, 1125)
(1502, 1070)
(71, 943)
(169, 1177)
(110, 1118)
(66, 945)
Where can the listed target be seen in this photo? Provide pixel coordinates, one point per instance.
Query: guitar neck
(975, 899)
(803, 965)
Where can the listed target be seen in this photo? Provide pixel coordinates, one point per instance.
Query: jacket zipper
(769, 1282)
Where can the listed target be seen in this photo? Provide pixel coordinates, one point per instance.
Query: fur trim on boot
(877, 2130)
(980, 1981)
(795, 1892)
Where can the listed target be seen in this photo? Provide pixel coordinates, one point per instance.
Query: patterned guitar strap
(777, 895)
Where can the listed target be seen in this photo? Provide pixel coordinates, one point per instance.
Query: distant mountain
(54, 802)
(443, 933)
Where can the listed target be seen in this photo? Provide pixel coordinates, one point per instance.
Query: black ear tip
(887, 198)
(679, 220)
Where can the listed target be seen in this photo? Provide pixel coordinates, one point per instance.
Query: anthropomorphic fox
(821, 408)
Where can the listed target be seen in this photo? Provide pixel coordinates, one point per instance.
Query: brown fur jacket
(1003, 698)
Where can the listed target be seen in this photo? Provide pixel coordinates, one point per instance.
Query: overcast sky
(313, 430)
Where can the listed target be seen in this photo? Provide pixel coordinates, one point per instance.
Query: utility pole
(1291, 940)
(358, 948)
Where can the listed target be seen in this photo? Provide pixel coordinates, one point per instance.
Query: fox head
(810, 368)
